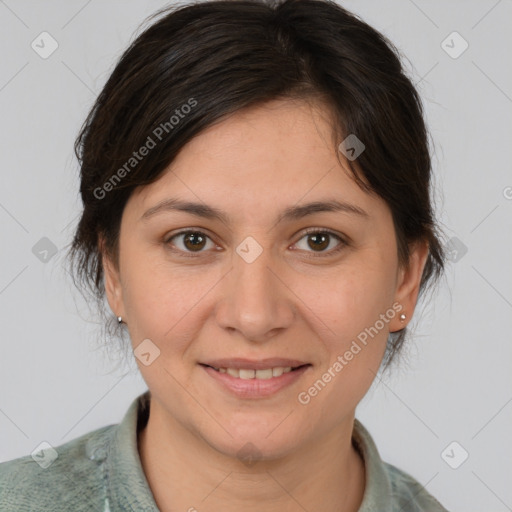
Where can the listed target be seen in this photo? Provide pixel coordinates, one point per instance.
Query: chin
(249, 451)
(252, 441)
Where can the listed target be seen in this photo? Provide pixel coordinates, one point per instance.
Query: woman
(255, 181)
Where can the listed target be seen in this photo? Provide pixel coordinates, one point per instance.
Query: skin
(294, 300)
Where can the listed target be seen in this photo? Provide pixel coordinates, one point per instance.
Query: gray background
(455, 381)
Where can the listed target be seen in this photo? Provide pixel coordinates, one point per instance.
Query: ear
(408, 284)
(113, 289)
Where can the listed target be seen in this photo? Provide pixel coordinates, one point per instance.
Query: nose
(257, 304)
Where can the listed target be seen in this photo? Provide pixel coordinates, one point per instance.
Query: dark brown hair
(203, 61)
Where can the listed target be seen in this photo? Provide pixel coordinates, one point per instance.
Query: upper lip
(252, 364)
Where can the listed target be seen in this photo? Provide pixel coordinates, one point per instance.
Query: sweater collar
(127, 484)
(128, 488)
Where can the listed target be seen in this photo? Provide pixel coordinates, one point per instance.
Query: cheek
(348, 300)
(163, 302)
(350, 314)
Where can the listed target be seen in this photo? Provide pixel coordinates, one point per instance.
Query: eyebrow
(289, 214)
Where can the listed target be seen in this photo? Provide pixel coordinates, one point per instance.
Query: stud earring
(403, 317)
(119, 319)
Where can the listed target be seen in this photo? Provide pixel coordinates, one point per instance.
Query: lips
(251, 364)
(255, 379)
(248, 373)
(249, 369)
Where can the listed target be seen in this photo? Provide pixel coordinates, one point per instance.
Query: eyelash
(311, 231)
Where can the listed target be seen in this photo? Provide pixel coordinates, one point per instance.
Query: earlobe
(408, 285)
(112, 282)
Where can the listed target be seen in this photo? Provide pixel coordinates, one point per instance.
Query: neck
(185, 473)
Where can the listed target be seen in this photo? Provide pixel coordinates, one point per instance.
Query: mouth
(252, 373)
(248, 379)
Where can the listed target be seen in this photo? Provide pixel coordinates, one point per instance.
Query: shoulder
(408, 494)
(65, 477)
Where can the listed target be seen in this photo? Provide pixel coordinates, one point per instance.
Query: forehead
(259, 159)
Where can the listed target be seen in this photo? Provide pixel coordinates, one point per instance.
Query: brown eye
(189, 241)
(194, 241)
(320, 240)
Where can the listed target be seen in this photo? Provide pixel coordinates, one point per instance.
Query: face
(254, 281)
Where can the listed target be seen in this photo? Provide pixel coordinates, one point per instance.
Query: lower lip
(256, 388)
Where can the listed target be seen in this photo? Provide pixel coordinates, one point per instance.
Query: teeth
(247, 374)
(277, 372)
(265, 374)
